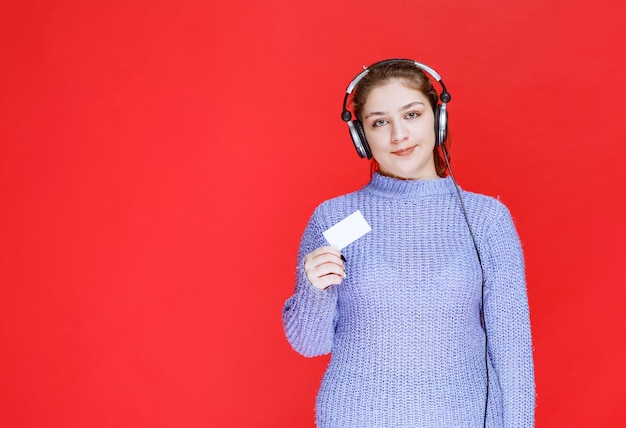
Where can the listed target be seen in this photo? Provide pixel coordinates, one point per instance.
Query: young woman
(426, 316)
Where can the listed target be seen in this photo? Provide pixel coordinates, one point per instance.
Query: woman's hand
(324, 267)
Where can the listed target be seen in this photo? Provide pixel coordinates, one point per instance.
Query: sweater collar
(408, 189)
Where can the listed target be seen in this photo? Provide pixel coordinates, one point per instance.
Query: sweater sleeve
(309, 315)
(508, 321)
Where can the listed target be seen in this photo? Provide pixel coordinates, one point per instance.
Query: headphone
(357, 133)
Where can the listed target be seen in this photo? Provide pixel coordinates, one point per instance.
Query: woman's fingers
(324, 267)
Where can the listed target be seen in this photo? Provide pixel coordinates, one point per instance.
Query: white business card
(347, 230)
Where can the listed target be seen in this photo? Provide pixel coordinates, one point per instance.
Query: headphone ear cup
(358, 138)
(441, 124)
(364, 143)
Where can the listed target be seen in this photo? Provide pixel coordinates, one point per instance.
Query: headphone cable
(482, 288)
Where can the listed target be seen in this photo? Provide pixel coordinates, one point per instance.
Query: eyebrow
(406, 107)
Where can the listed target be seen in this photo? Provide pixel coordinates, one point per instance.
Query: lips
(407, 151)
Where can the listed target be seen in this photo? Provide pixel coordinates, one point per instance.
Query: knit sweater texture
(404, 328)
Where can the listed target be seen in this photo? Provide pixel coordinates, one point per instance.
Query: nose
(399, 133)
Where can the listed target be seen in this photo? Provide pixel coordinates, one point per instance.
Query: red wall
(159, 161)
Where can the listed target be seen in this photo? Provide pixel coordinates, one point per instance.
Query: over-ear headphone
(357, 133)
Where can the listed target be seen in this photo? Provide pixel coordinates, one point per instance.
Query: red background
(159, 161)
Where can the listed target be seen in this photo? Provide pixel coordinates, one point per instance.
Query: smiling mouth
(404, 152)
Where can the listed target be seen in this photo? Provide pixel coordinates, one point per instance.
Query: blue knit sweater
(404, 329)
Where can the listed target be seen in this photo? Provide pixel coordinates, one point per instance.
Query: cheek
(375, 138)
(427, 130)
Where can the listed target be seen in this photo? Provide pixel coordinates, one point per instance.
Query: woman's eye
(412, 115)
(380, 122)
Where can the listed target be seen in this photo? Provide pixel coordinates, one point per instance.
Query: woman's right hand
(324, 267)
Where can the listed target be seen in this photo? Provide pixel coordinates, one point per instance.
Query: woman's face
(399, 125)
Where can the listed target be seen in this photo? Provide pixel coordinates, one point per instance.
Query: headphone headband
(419, 65)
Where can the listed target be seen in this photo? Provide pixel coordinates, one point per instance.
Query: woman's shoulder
(337, 208)
(488, 208)
(339, 202)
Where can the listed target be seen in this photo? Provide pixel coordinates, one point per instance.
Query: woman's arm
(508, 322)
(309, 315)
